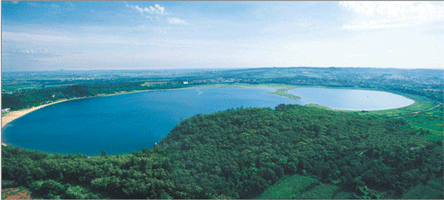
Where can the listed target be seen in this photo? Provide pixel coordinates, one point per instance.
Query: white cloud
(157, 9)
(176, 21)
(379, 15)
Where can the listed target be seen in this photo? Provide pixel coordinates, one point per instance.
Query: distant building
(6, 110)
(185, 82)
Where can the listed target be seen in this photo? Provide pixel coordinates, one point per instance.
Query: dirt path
(15, 193)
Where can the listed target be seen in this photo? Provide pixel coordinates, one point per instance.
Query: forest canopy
(241, 152)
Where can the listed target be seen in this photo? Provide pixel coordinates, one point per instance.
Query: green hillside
(239, 153)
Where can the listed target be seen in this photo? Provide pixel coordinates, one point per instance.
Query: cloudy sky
(170, 35)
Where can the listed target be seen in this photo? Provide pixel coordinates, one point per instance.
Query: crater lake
(123, 123)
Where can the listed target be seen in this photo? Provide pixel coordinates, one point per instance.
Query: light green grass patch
(429, 127)
(323, 191)
(289, 187)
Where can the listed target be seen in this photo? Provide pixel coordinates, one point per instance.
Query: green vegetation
(289, 188)
(240, 153)
(421, 104)
(322, 191)
(430, 123)
(289, 152)
(423, 192)
(283, 92)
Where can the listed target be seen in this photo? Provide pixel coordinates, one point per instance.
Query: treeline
(239, 153)
(34, 97)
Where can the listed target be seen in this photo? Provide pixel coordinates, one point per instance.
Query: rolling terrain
(287, 152)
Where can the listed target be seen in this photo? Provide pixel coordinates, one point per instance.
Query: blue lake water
(123, 123)
(346, 99)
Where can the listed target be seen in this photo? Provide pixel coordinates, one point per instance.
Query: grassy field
(303, 187)
(325, 191)
(431, 122)
(288, 188)
(421, 104)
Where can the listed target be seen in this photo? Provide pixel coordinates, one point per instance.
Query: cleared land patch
(16, 193)
(289, 188)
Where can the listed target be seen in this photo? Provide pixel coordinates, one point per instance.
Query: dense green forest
(239, 153)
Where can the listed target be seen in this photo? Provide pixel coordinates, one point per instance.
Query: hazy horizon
(119, 35)
(220, 69)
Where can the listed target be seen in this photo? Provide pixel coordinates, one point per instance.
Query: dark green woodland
(291, 151)
(239, 153)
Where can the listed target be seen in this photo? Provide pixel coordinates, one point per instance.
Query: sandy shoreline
(13, 115)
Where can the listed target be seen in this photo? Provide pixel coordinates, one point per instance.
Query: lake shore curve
(13, 115)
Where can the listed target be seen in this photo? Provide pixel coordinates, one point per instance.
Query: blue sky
(170, 35)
